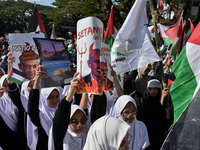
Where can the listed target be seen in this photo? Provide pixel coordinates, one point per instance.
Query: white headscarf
(106, 133)
(47, 113)
(8, 110)
(66, 90)
(32, 130)
(32, 134)
(72, 140)
(138, 130)
(24, 94)
(2, 71)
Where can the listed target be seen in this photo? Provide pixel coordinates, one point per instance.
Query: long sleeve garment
(14, 94)
(60, 123)
(33, 111)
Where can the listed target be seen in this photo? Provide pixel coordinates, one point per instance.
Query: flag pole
(156, 38)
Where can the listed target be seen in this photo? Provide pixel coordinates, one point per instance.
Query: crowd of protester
(59, 119)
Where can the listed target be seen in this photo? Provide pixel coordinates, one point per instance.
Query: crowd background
(56, 118)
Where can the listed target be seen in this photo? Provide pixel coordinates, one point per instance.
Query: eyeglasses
(83, 121)
(125, 142)
(126, 114)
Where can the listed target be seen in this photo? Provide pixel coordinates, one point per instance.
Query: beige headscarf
(141, 80)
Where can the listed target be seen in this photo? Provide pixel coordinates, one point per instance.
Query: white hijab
(8, 110)
(138, 130)
(106, 133)
(24, 96)
(32, 130)
(47, 113)
(72, 140)
(2, 71)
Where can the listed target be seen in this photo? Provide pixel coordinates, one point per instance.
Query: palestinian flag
(180, 35)
(187, 71)
(178, 41)
(111, 31)
(160, 5)
(192, 26)
(152, 31)
(36, 24)
(188, 34)
(16, 76)
(163, 49)
(53, 33)
(169, 31)
(184, 134)
(74, 40)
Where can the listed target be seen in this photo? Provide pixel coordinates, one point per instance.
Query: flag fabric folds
(35, 23)
(192, 26)
(187, 71)
(53, 33)
(16, 76)
(184, 134)
(111, 31)
(152, 31)
(188, 34)
(178, 41)
(132, 47)
(169, 31)
(160, 6)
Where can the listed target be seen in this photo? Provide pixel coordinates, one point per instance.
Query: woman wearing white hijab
(125, 109)
(8, 118)
(14, 94)
(69, 128)
(42, 116)
(108, 133)
(72, 139)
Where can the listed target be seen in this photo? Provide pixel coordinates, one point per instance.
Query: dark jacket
(14, 94)
(155, 120)
(33, 111)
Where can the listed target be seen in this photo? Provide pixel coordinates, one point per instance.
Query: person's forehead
(96, 57)
(31, 62)
(103, 65)
(153, 88)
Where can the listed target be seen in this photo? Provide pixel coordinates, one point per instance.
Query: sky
(42, 2)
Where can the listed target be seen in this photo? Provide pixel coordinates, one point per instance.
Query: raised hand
(10, 61)
(39, 75)
(75, 83)
(165, 92)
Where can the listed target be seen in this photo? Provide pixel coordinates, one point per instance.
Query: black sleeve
(77, 98)
(3, 63)
(33, 106)
(98, 107)
(132, 75)
(60, 123)
(14, 94)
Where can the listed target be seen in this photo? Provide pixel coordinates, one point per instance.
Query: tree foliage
(15, 15)
(73, 10)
